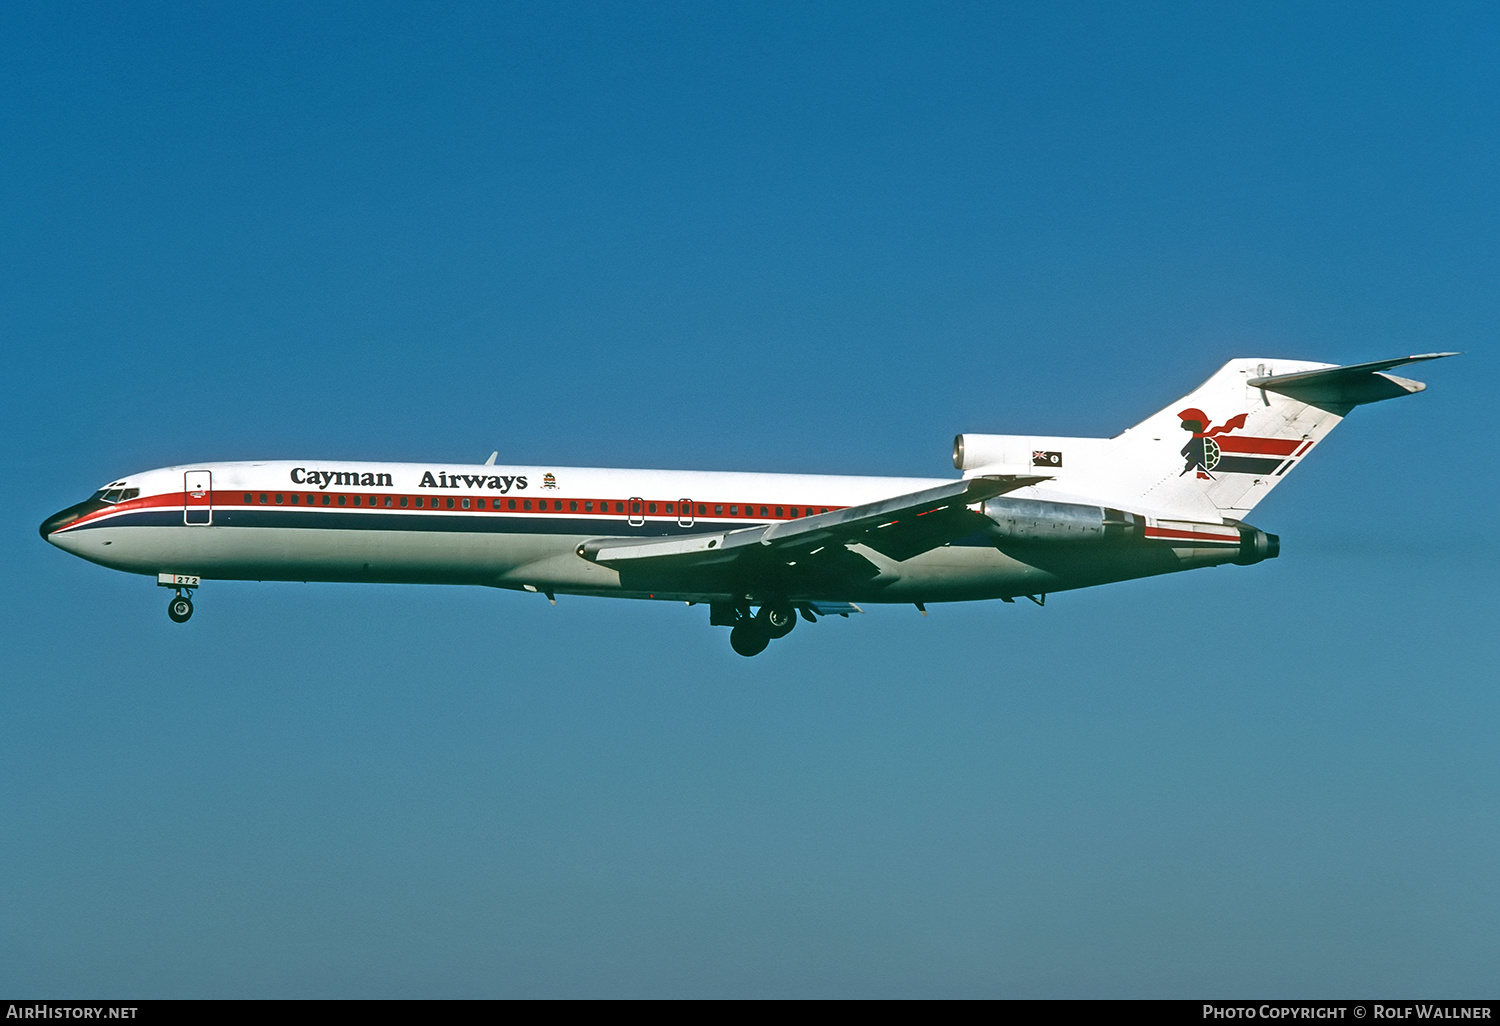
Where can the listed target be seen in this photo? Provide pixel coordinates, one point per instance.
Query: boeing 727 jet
(1028, 516)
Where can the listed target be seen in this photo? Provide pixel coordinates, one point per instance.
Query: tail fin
(1212, 454)
(1243, 430)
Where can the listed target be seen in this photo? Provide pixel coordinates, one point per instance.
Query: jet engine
(1038, 522)
(1256, 545)
(1034, 521)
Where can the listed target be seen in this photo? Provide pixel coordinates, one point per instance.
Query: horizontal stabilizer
(1342, 388)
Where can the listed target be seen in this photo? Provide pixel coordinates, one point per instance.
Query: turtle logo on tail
(1202, 452)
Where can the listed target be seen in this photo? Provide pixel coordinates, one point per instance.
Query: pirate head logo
(1202, 452)
(549, 480)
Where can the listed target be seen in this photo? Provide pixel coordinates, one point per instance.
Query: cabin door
(198, 497)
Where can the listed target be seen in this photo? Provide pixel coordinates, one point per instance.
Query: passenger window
(249, 498)
(387, 502)
(342, 500)
(588, 506)
(356, 500)
(466, 503)
(572, 507)
(262, 498)
(326, 500)
(650, 507)
(280, 499)
(702, 509)
(450, 502)
(778, 511)
(718, 511)
(526, 504)
(296, 498)
(734, 511)
(619, 507)
(763, 512)
(403, 502)
(794, 512)
(511, 504)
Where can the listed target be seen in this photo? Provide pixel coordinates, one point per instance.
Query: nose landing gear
(180, 609)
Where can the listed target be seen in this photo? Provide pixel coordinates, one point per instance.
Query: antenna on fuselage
(491, 461)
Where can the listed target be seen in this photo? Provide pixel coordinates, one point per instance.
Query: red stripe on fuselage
(747, 514)
(1174, 534)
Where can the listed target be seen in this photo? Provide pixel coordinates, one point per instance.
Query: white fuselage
(523, 527)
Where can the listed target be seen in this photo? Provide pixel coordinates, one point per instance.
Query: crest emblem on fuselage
(549, 480)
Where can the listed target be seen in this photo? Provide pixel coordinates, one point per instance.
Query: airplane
(1028, 515)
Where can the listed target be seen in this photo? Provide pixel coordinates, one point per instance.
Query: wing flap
(899, 527)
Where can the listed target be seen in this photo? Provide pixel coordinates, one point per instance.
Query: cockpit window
(114, 494)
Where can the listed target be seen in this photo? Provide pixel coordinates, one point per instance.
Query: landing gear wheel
(749, 639)
(777, 621)
(180, 609)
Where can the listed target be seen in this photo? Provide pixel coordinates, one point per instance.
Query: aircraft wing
(899, 527)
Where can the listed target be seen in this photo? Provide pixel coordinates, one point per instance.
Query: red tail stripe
(1258, 446)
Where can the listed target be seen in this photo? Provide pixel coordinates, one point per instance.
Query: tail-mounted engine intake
(970, 452)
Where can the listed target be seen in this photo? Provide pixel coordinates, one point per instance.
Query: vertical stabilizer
(1225, 445)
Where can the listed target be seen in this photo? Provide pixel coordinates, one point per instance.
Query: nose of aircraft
(63, 518)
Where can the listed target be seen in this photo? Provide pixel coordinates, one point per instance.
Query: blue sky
(801, 238)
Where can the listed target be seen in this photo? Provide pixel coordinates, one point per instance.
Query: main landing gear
(750, 635)
(180, 609)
